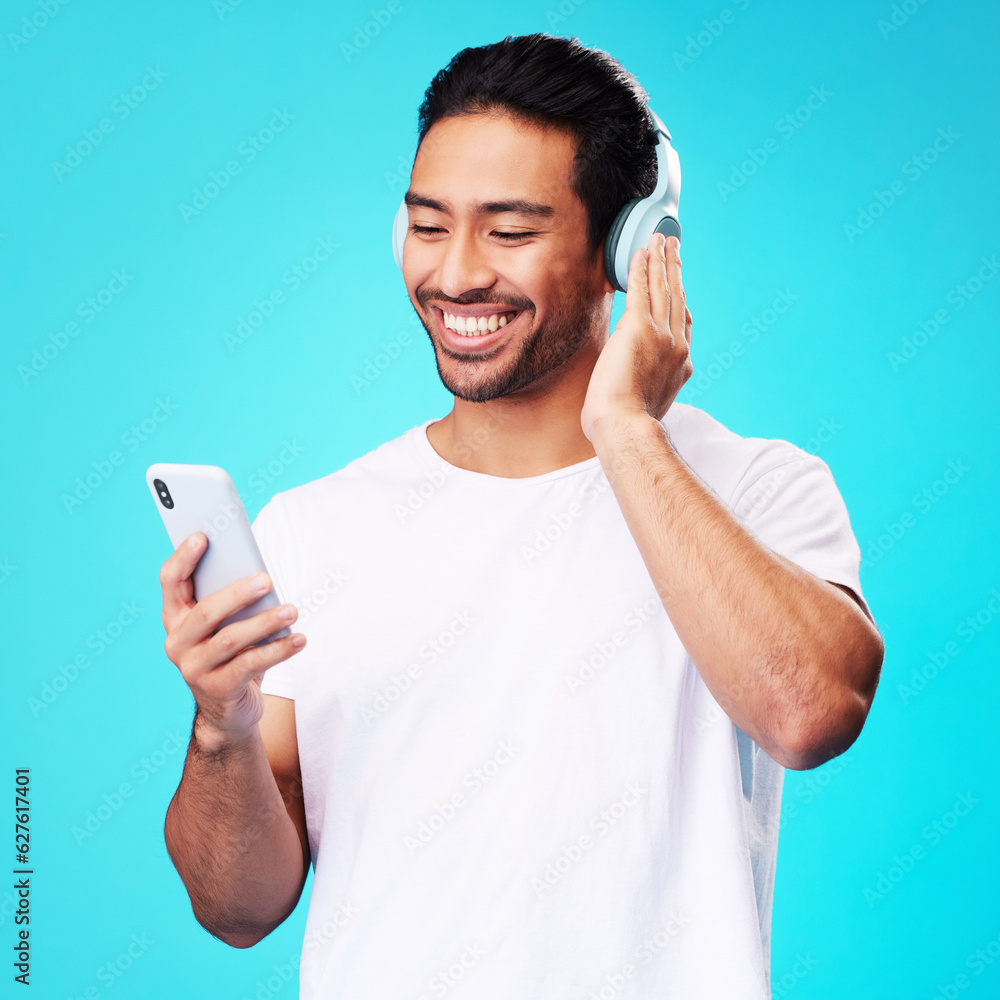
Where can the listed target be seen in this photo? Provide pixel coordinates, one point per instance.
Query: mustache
(424, 297)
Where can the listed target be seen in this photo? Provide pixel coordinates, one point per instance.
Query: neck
(525, 434)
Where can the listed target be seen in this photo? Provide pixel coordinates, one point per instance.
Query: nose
(464, 262)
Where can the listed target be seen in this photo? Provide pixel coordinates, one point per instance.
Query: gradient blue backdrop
(884, 364)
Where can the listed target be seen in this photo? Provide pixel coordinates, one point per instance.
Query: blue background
(847, 372)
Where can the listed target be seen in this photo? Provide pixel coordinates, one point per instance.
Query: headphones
(632, 226)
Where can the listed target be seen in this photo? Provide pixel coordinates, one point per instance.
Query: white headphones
(632, 226)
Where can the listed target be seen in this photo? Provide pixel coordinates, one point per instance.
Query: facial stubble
(494, 374)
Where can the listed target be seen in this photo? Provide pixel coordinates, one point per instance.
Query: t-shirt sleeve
(796, 510)
(279, 679)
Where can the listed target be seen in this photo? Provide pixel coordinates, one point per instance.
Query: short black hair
(551, 81)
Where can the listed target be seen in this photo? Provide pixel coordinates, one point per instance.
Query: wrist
(615, 429)
(212, 740)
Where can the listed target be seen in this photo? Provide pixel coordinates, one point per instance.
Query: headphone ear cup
(611, 242)
(669, 227)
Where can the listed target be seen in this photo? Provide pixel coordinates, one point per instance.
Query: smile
(470, 326)
(475, 332)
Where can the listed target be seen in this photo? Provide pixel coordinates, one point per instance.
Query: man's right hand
(222, 670)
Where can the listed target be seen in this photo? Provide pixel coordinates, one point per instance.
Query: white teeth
(472, 326)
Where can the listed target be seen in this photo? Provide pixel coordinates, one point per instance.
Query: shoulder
(728, 462)
(385, 468)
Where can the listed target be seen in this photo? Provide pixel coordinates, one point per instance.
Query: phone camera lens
(164, 493)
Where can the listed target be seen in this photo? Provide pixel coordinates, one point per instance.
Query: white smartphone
(194, 498)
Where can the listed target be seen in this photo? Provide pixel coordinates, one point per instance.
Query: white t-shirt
(517, 785)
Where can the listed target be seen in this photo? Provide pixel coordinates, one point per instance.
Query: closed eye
(503, 236)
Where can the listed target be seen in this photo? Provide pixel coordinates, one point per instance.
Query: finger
(252, 664)
(687, 326)
(230, 681)
(637, 292)
(175, 579)
(229, 642)
(659, 289)
(678, 307)
(209, 613)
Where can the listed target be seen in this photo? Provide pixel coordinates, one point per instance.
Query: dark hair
(552, 81)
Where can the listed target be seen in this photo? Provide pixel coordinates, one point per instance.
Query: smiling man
(534, 746)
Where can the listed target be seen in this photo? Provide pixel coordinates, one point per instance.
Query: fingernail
(259, 582)
(193, 542)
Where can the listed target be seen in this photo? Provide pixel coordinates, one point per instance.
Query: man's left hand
(647, 359)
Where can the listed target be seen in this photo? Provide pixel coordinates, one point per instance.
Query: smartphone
(194, 498)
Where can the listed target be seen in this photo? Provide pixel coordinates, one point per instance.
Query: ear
(597, 263)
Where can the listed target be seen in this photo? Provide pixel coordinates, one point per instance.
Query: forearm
(231, 839)
(780, 650)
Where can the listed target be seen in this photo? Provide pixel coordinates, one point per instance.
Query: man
(562, 641)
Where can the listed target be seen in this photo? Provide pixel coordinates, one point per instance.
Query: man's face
(468, 172)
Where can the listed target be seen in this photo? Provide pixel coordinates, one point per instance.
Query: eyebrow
(516, 206)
